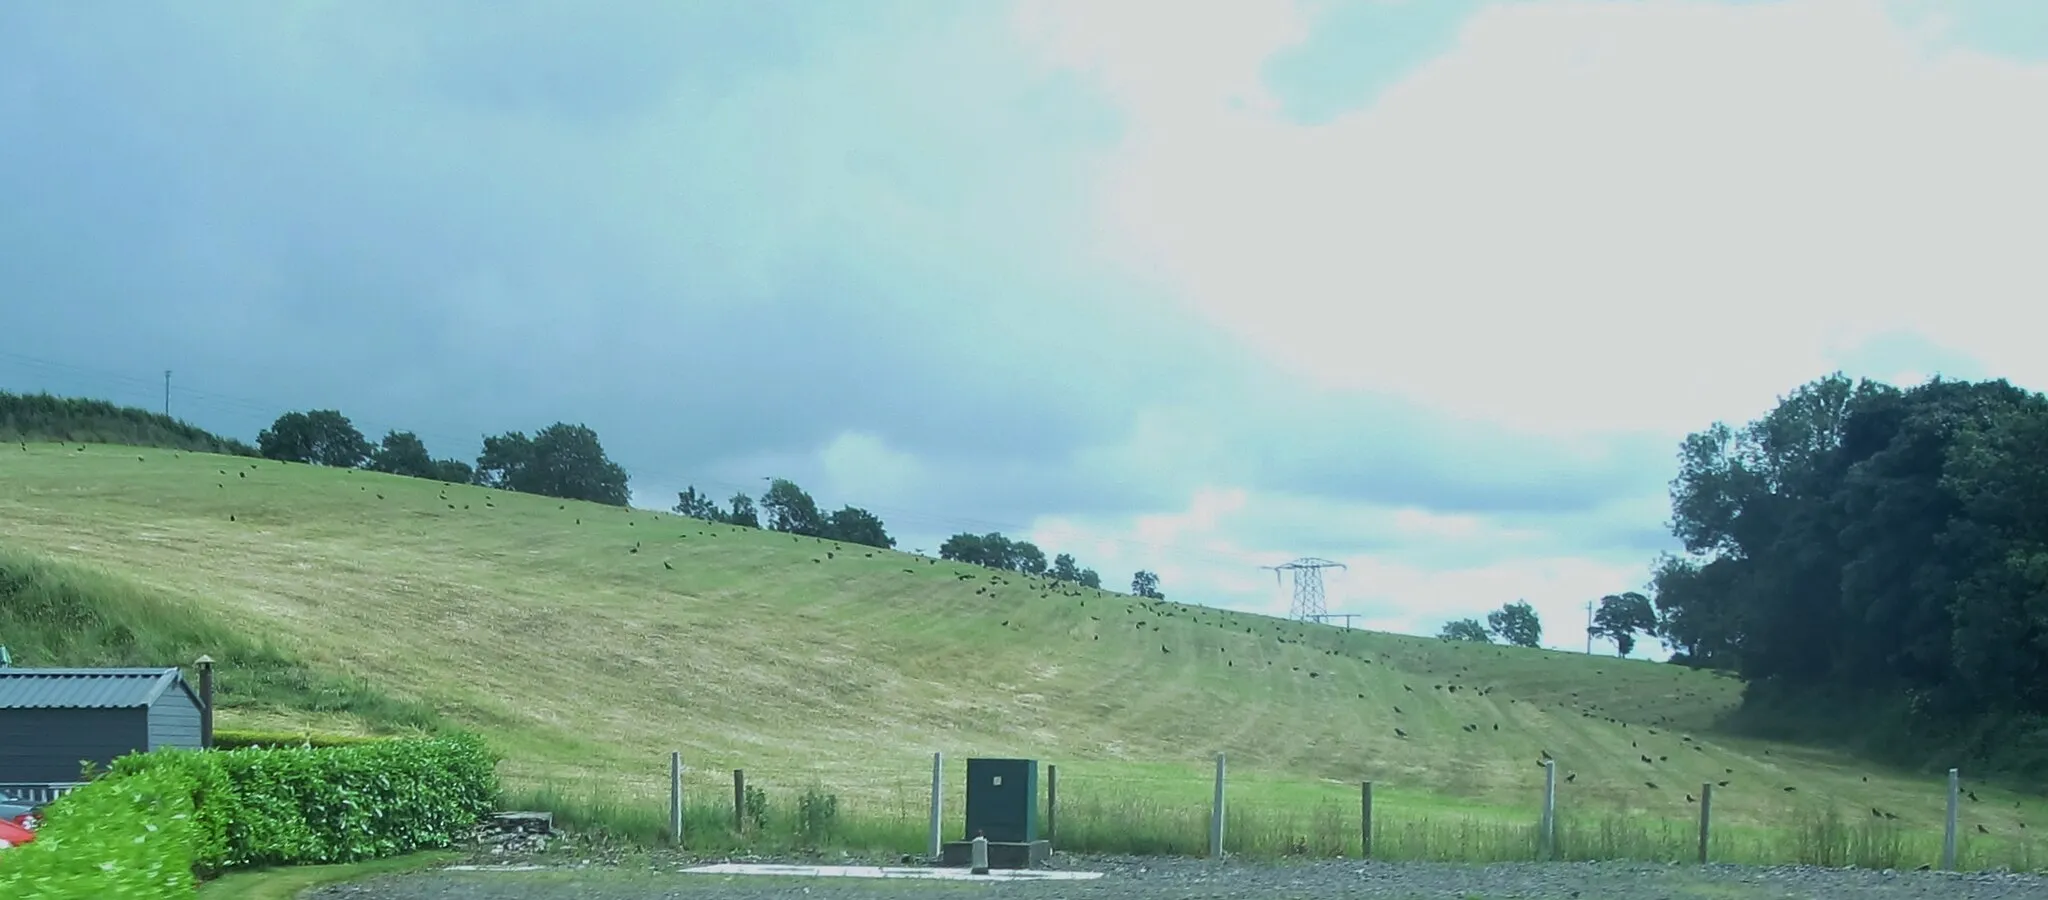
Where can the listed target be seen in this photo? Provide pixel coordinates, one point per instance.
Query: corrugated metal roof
(84, 688)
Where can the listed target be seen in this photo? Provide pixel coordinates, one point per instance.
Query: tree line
(1870, 560)
(1866, 545)
(1621, 618)
(562, 460)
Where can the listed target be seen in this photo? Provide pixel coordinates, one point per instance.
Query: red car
(17, 824)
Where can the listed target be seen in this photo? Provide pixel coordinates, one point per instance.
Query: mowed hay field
(589, 641)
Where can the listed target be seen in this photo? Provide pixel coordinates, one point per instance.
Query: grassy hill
(589, 641)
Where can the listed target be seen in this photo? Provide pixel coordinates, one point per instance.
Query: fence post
(1216, 814)
(1052, 804)
(1365, 820)
(675, 797)
(1706, 817)
(739, 801)
(1948, 836)
(938, 785)
(1549, 836)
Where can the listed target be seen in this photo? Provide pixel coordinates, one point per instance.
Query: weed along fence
(1087, 806)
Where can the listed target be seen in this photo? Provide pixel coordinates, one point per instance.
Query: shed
(50, 719)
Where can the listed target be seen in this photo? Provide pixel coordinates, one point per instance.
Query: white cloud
(1586, 215)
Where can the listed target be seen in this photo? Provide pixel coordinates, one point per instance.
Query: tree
(1146, 584)
(1064, 568)
(561, 460)
(791, 510)
(1517, 624)
(992, 550)
(694, 505)
(1089, 579)
(742, 512)
(1027, 558)
(322, 437)
(402, 453)
(1621, 617)
(858, 526)
(1465, 630)
(453, 471)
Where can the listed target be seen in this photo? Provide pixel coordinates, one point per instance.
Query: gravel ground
(1188, 879)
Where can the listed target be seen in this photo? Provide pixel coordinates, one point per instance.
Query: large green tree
(1620, 617)
(561, 460)
(1863, 541)
(791, 510)
(1145, 583)
(858, 526)
(1517, 624)
(322, 437)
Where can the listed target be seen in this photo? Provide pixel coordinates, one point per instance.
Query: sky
(1432, 289)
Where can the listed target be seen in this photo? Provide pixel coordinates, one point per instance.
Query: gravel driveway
(1183, 879)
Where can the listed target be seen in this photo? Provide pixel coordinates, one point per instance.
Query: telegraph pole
(167, 393)
(1589, 628)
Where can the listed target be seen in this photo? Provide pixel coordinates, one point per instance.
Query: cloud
(1429, 288)
(1595, 216)
(709, 236)
(1528, 264)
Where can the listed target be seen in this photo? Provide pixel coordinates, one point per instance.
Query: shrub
(236, 740)
(116, 838)
(292, 806)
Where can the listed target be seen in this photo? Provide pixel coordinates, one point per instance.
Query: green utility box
(1002, 800)
(1002, 806)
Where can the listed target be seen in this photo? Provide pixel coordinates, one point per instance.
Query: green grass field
(588, 642)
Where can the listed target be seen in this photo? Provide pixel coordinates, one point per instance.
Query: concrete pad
(891, 872)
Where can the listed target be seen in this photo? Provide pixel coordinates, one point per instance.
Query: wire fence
(1119, 808)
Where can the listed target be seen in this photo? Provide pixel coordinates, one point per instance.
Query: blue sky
(1433, 288)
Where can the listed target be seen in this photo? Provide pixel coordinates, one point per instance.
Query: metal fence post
(1948, 837)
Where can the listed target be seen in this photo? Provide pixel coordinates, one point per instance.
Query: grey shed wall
(174, 721)
(45, 745)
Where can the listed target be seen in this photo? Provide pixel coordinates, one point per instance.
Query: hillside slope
(592, 640)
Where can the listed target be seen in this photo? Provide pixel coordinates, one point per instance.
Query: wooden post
(206, 702)
(739, 801)
(1216, 814)
(1706, 817)
(1365, 820)
(1549, 835)
(1052, 804)
(675, 797)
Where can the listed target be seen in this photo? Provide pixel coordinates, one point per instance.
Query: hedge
(121, 839)
(236, 740)
(208, 811)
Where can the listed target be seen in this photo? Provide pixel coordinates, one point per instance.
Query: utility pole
(167, 393)
(1589, 628)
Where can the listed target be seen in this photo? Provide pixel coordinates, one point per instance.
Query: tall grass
(60, 614)
(1136, 823)
(44, 417)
